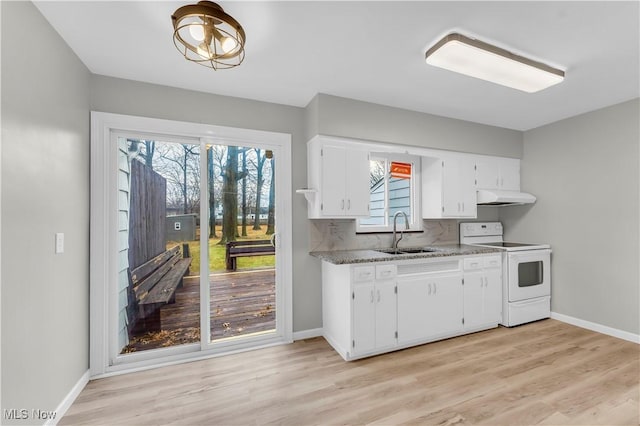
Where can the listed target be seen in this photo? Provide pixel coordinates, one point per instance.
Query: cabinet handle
(429, 289)
(435, 288)
(501, 181)
(371, 296)
(497, 181)
(378, 295)
(349, 204)
(463, 207)
(342, 207)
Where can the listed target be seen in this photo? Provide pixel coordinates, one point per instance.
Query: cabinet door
(363, 303)
(487, 173)
(510, 174)
(386, 319)
(445, 302)
(412, 304)
(357, 183)
(451, 183)
(333, 181)
(467, 190)
(458, 188)
(473, 298)
(493, 296)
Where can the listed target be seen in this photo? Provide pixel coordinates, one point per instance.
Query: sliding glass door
(195, 255)
(241, 241)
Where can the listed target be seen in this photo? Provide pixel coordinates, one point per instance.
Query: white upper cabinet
(338, 171)
(448, 187)
(498, 173)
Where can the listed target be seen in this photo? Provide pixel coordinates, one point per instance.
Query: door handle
(272, 240)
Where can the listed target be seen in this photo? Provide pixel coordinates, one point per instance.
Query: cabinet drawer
(472, 263)
(363, 273)
(492, 261)
(384, 272)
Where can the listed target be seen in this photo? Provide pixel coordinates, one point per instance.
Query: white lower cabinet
(374, 316)
(372, 308)
(429, 305)
(482, 291)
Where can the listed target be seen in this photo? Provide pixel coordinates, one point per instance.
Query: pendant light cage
(203, 33)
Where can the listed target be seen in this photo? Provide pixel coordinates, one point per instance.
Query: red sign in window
(400, 170)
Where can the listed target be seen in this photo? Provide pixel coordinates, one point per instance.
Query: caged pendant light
(205, 34)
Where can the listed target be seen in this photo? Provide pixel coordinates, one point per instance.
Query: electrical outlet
(59, 242)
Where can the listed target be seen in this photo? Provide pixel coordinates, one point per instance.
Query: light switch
(59, 242)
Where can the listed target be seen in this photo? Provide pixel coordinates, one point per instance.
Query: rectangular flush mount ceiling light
(478, 59)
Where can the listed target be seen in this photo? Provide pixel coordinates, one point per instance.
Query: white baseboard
(307, 334)
(620, 334)
(62, 408)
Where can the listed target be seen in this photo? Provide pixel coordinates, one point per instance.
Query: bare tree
(144, 149)
(376, 172)
(212, 193)
(149, 151)
(179, 164)
(272, 199)
(244, 192)
(231, 176)
(259, 166)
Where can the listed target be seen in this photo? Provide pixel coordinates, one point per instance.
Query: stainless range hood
(491, 197)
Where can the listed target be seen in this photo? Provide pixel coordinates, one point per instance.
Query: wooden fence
(147, 216)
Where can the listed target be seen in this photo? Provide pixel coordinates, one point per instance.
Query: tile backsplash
(340, 234)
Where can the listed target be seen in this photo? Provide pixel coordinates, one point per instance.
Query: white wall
(45, 189)
(584, 171)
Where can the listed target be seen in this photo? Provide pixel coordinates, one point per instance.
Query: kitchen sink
(406, 250)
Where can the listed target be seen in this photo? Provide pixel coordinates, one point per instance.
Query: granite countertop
(341, 257)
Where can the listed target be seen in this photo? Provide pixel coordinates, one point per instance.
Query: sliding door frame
(103, 361)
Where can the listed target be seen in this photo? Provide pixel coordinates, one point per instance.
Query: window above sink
(394, 185)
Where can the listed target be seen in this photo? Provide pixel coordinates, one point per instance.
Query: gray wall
(45, 189)
(363, 120)
(584, 171)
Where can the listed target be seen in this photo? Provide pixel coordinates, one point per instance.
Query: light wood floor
(546, 372)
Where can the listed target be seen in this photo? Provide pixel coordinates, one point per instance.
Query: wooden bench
(154, 285)
(236, 249)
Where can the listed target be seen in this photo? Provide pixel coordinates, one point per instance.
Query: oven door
(529, 274)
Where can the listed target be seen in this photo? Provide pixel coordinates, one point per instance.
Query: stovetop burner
(489, 234)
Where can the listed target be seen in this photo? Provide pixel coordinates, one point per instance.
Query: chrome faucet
(406, 226)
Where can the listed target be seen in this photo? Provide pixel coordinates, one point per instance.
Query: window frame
(415, 224)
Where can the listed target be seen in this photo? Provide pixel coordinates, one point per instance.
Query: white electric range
(526, 272)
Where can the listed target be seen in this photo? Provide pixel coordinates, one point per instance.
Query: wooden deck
(241, 303)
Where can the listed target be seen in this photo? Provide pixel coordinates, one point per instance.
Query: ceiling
(374, 51)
